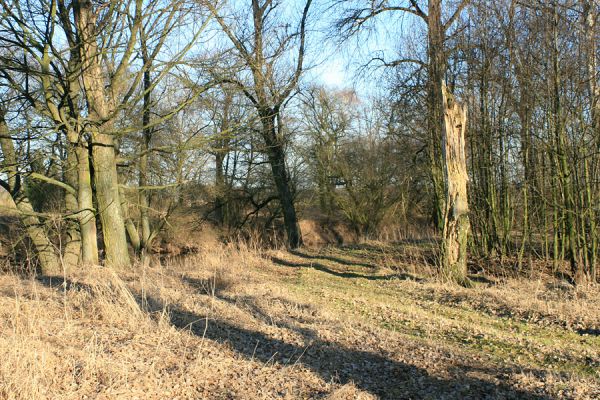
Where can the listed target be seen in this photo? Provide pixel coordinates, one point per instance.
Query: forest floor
(358, 322)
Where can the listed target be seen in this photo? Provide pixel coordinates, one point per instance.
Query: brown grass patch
(229, 322)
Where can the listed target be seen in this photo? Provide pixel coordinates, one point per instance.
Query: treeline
(114, 115)
(528, 73)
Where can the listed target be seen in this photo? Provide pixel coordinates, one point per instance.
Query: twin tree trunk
(109, 203)
(102, 141)
(456, 212)
(87, 216)
(79, 154)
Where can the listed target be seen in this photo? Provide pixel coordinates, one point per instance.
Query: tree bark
(49, 261)
(145, 151)
(564, 169)
(276, 155)
(72, 251)
(87, 216)
(456, 217)
(130, 228)
(219, 187)
(102, 142)
(436, 70)
(590, 16)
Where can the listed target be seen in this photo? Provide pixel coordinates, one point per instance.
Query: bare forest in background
(119, 119)
(333, 199)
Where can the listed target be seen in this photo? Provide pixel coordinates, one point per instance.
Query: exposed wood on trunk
(456, 213)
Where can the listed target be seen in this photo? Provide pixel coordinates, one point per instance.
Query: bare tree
(50, 261)
(358, 13)
(262, 47)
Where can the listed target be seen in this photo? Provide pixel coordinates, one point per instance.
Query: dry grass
(353, 323)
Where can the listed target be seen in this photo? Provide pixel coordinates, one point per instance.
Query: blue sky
(338, 65)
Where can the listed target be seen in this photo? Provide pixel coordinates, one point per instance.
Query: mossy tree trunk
(102, 141)
(87, 215)
(144, 199)
(276, 156)
(221, 149)
(435, 74)
(72, 251)
(590, 16)
(565, 175)
(50, 262)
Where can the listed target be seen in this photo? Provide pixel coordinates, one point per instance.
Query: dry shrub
(102, 292)
(54, 333)
(106, 335)
(256, 239)
(319, 232)
(184, 234)
(415, 230)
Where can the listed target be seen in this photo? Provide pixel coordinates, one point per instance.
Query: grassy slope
(340, 323)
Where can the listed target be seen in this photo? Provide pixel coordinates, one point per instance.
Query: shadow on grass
(342, 274)
(588, 332)
(60, 282)
(391, 246)
(375, 373)
(338, 260)
(483, 279)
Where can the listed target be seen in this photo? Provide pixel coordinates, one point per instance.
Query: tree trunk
(103, 145)
(564, 168)
(109, 201)
(143, 193)
(456, 217)
(219, 187)
(590, 16)
(436, 70)
(145, 152)
(276, 156)
(130, 228)
(87, 216)
(48, 259)
(222, 144)
(72, 251)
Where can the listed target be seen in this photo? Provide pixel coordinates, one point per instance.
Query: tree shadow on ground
(419, 252)
(391, 246)
(251, 305)
(60, 282)
(489, 281)
(375, 373)
(588, 331)
(208, 286)
(342, 274)
(338, 260)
